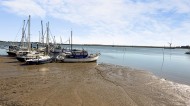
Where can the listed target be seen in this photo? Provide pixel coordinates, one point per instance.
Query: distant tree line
(187, 46)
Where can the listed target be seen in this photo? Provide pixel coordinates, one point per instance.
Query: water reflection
(170, 64)
(43, 70)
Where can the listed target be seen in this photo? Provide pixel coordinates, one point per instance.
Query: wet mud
(85, 84)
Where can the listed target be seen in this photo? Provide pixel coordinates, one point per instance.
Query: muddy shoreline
(85, 84)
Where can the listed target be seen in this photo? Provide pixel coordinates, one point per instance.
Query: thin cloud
(138, 22)
(23, 7)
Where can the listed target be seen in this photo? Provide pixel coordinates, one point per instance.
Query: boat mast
(47, 39)
(54, 41)
(42, 33)
(29, 44)
(39, 37)
(71, 40)
(61, 40)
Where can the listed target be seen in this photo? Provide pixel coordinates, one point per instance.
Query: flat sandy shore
(85, 84)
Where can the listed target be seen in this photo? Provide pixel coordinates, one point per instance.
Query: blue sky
(118, 22)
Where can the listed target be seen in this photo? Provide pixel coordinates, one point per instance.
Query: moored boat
(39, 60)
(78, 56)
(45, 58)
(12, 50)
(188, 52)
(23, 56)
(90, 58)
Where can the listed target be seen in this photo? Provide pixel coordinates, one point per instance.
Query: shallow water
(170, 64)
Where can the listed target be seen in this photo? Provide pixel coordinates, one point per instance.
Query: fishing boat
(75, 55)
(78, 56)
(21, 55)
(12, 50)
(25, 55)
(24, 51)
(42, 59)
(90, 58)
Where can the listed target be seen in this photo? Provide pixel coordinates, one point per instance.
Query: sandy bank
(85, 84)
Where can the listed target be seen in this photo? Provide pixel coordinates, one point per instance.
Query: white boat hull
(42, 60)
(65, 58)
(80, 60)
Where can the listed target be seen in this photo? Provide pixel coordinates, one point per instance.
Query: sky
(110, 22)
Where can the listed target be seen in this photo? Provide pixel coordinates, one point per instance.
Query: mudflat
(85, 84)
